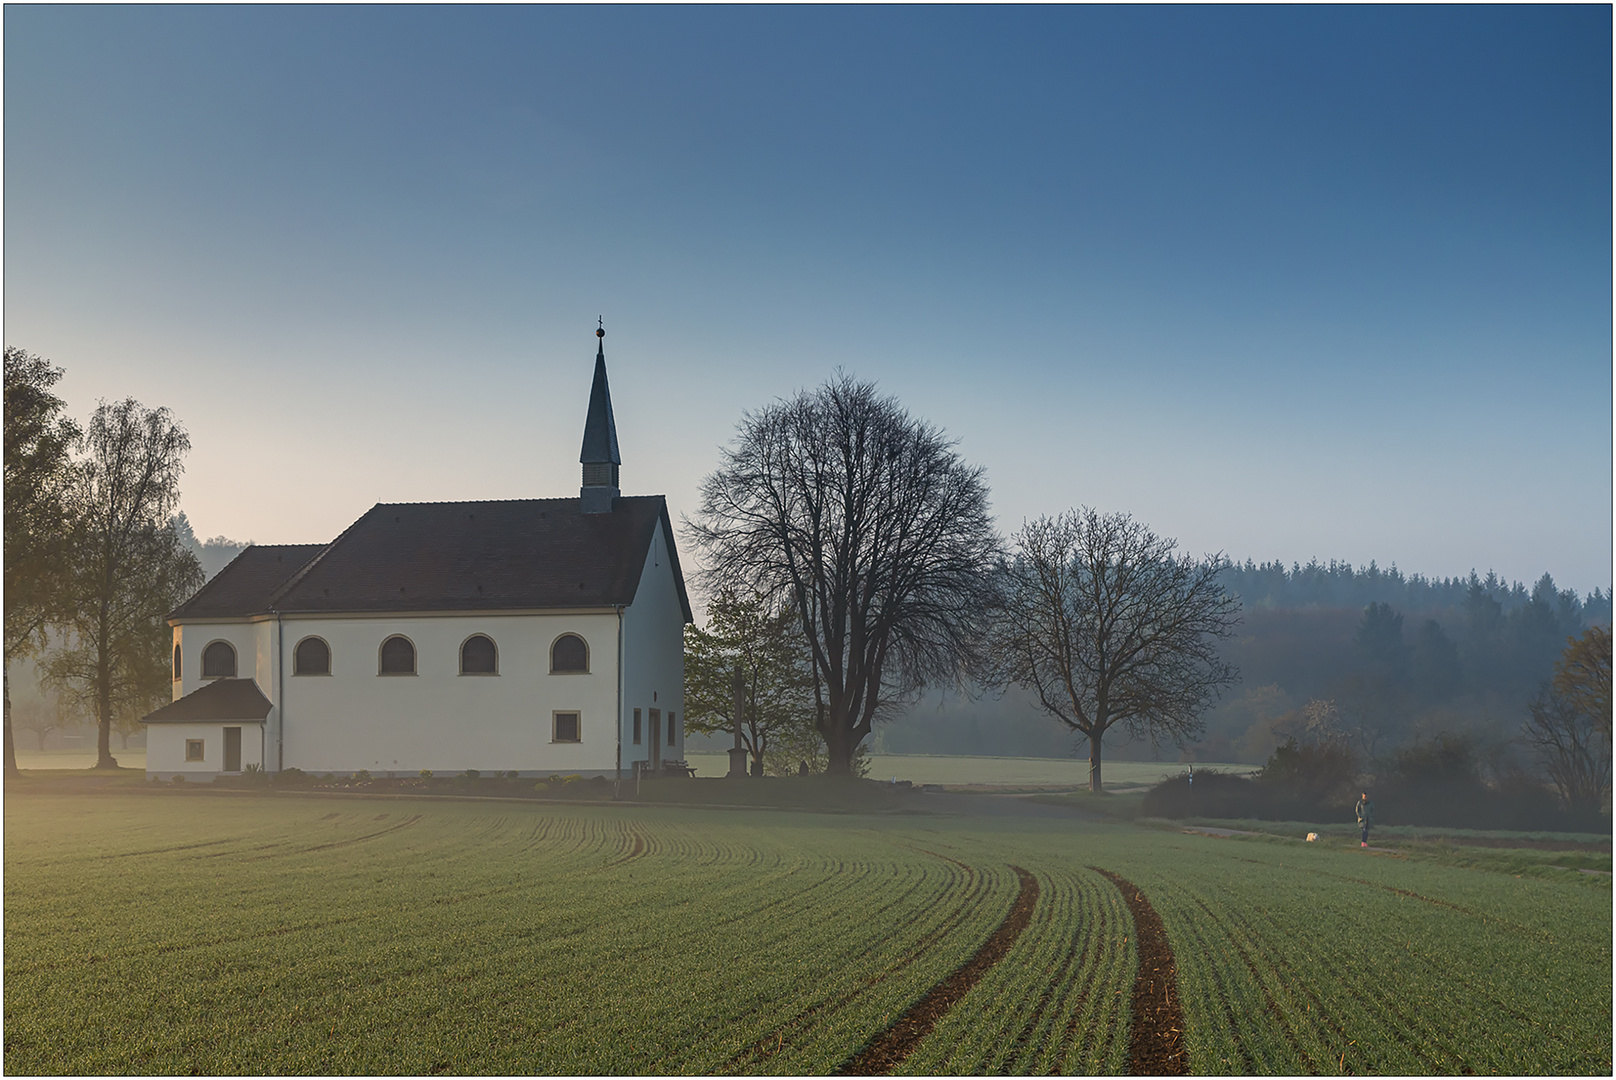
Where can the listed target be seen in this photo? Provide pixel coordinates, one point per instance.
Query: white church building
(532, 635)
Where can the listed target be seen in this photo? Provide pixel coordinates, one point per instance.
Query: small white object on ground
(1312, 836)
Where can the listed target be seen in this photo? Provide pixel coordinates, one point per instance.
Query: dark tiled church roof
(460, 556)
(222, 699)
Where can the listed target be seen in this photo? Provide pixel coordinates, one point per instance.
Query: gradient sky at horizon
(1284, 282)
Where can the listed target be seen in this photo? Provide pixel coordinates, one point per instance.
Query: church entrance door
(232, 749)
(656, 740)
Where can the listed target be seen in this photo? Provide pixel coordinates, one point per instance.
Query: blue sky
(1282, 282)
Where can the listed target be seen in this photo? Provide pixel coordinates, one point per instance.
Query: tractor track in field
(1156, 1043)
(890, 1047)
(404, 824)
(636, 849)
(775, 1041)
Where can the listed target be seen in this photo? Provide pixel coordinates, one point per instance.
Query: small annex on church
(538, 636)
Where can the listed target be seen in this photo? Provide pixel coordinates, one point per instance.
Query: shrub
(177, 778)
(1441, 782)
(472, 774)
(1211, 794)
(1311, 781)
(426, 774)
(290, 777)
(361, 777)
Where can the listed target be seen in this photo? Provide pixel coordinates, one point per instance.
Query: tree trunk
(838, 752)
(11, 745)
(103, 709)
(759, 745)
(1094, 759)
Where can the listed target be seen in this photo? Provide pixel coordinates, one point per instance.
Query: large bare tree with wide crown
(869, 525)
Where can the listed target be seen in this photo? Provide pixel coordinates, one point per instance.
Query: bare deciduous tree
(869, 525)
(1582, 676)
(126, 567)
(1107, 626)
(1568, 723)
(1573, 749)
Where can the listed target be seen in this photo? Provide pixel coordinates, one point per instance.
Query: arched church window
(478, 656)
(398, 656)
(176, 660)
(569, 654)
(219, 661)
(311, 657)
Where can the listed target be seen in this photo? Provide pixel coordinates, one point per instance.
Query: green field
(198, 931)
(1013, 772)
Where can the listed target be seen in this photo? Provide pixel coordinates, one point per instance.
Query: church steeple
(599, 457)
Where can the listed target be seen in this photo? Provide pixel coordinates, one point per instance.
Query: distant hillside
(214, 554)
(1455, 655)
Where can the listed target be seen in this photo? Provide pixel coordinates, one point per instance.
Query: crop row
(537, 940)
(1320, 964)
(310, 934)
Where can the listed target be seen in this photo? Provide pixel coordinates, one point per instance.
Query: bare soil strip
(1156, 1045)
(888, 1049)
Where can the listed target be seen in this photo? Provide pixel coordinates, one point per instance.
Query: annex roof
(457, 556)
(248, 581)
(221, 699)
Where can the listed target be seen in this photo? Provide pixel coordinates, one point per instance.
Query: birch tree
(38, 469)
(126, 568)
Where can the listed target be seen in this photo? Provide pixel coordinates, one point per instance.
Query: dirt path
(888, 1049)
(1156, 1046)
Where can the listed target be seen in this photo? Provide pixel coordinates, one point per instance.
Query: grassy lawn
(80, 758)
(258, 932)
(1021, 773)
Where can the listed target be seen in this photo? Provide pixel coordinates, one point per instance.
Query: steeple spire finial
(599, 456)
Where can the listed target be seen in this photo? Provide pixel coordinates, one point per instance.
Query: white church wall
(441, 720)
(193, 638)
(166, 748)
(653, 656)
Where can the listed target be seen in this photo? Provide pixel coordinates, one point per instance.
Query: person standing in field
(1366, 817)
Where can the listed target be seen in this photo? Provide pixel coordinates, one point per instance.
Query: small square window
(636, 727)
(566, 727)
(193, 749)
